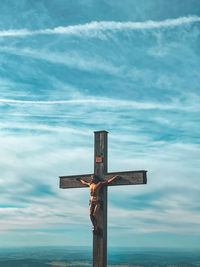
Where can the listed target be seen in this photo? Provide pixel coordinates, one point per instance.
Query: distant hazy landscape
(82, 256)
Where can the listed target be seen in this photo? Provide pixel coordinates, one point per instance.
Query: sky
(69, 68)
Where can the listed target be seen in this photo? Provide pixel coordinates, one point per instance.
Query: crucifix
(98, 183)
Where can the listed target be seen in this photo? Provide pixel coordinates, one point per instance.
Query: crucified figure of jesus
(95, 200)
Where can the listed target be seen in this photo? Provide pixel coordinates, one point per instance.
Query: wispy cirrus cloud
(37, 161)
(175, 104)
(139, 81)
(94, 29)
(72, 59)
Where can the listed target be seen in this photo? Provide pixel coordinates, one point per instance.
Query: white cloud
(72, 59)
(95, 29)
(173, 213)
(103, 102)
(35, 160)
(30, 159)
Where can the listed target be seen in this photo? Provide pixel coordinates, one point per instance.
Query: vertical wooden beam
(100, 168)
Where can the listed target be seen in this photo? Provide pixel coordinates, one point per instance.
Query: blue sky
(68, 68)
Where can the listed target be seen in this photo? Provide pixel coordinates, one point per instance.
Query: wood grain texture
(100, 241)
(100, 169)
(71, 181)
(127, 178)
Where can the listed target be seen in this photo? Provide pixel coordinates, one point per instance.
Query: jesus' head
(94, 179)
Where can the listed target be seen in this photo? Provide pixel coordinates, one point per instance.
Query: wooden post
(100, 168)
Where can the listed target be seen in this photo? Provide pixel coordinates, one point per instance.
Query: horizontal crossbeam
(125, 178)
(71, 181)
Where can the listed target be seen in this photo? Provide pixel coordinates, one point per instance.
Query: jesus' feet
(97, 231)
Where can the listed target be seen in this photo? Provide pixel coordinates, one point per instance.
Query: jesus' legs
(96, 216)
(92, 217)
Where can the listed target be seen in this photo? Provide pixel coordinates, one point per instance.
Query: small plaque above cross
(98, 189)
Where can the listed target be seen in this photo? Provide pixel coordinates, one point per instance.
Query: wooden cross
(100, 169)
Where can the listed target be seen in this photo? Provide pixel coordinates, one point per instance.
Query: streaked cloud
(94, 29)
(137, 79)
(175, 104)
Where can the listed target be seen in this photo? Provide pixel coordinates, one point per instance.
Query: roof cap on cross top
(103, 131)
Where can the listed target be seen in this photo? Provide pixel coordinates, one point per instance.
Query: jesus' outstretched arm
(110, 180)
(113, 178)
(83, 182)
